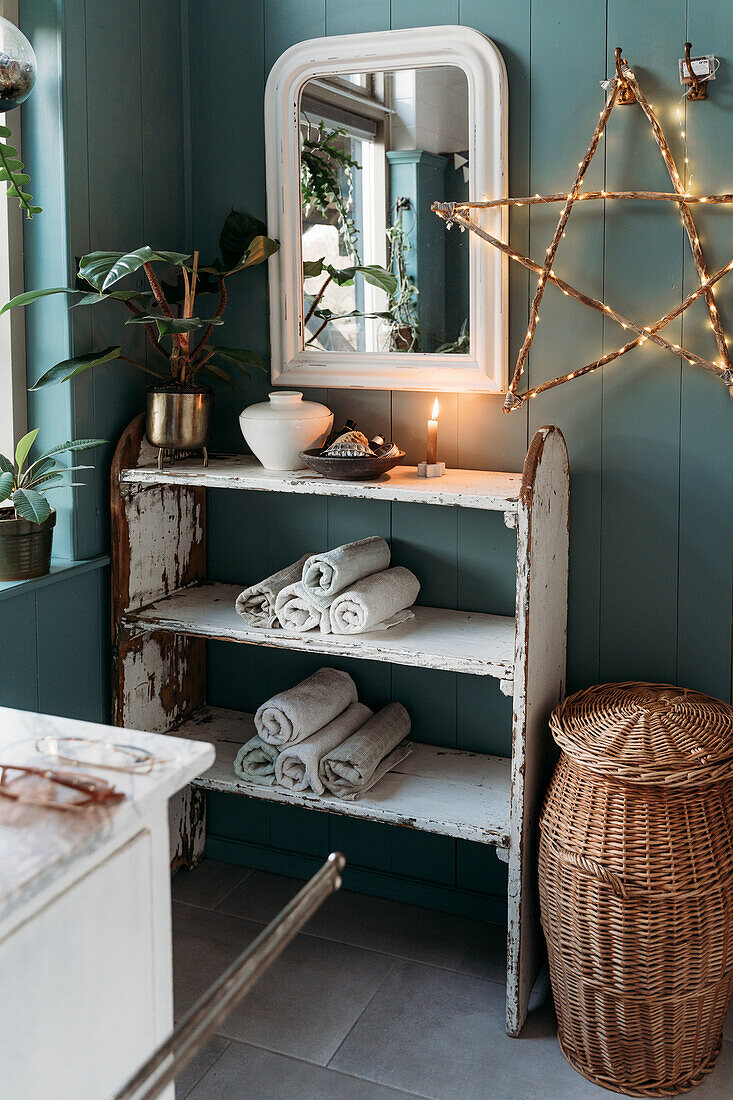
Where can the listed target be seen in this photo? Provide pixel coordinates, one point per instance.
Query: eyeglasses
(57, 790)
(98, 754)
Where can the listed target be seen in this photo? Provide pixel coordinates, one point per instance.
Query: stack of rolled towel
(318, 736)
(349, 590)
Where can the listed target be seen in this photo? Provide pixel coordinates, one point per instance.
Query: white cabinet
(85, 939)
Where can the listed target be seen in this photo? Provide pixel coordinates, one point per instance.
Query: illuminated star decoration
(622, 88)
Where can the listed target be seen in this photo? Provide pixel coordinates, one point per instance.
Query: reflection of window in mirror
(380, 272)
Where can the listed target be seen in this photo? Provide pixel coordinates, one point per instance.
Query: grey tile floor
(375, 999)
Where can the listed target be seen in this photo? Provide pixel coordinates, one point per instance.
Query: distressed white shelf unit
(164, 609)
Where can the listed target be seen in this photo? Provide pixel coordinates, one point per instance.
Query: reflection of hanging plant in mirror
(404, 328)
(327, 186)
(323, 164)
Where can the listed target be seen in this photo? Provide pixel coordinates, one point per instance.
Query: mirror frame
(484, 369)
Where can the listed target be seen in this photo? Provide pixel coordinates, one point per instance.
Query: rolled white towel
(375, 602)
(255, 762)
(297, 612)
(361, 760)
(296, 767)
(256, 604)
(292, 715)
(325, 575)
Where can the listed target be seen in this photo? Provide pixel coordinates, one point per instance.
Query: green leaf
(24, 446)
(6, 466)
(32, 295)
(31, 505)
(62, 372)
(240, 358)
(40, 466)
(371, 273)
(56, 476)
(218, 372)
(312, 268)
(6, 485)
(40, 476)
(103, 269)
(169, 325)
(73, 445)
(5, 131)
(237, 234)
(141, 297)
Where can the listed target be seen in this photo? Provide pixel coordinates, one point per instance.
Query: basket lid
(647, 733)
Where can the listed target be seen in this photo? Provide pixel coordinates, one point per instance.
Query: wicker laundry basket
(636, 884)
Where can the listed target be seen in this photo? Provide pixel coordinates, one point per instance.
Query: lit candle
(432, 456)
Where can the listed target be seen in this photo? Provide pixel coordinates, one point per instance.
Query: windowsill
(61, 568)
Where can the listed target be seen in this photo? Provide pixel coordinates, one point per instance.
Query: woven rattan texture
(636, 894)
(647, 733)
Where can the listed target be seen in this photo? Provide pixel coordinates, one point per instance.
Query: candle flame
(436, 410)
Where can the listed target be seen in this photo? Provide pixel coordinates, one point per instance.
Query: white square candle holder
(430, 469)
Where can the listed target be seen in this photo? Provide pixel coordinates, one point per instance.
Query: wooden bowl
(350, 469)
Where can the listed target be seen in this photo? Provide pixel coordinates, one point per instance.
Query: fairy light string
(458, 214)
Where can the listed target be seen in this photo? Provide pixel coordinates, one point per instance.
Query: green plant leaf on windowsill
(31, 505)
(6, 485)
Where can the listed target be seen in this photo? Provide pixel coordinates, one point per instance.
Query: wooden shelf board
(457, 641)
(460, 794)
(457, 488)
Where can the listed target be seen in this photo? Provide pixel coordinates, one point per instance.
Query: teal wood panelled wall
(161, 114)
(650, 561)
(53, 645)
(103, 135)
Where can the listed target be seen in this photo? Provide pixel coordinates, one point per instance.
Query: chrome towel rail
(202, 1020)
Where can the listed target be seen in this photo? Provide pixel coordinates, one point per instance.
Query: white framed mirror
(369, 290)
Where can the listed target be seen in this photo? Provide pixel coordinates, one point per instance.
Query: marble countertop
(38, 845)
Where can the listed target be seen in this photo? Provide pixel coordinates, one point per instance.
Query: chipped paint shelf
(457, 641)
(487, 491)
(465, 795)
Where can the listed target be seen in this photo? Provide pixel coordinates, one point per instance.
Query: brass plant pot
(25, 547)
(179, 419)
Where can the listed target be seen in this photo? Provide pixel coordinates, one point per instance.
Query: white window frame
(485, 368)
(13, 393)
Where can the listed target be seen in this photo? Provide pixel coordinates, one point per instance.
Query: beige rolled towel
(296, 767)
(255, 762)
(292, 715)
(256, 604)
(325, 575)
(375, 602)
(297, 612)
(352, 768)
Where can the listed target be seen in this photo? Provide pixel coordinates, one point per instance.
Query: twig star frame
(623, 88)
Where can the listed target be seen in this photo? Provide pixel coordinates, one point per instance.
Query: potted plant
(28, 520)
(180, 402)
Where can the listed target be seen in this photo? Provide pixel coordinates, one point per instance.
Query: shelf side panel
(539, 684)
(158, 545)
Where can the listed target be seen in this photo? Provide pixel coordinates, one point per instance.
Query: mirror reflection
(380, 274)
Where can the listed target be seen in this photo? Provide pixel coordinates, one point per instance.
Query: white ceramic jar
(279, 429)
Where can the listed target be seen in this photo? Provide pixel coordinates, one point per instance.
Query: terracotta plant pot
(179, 419)
(25, 547)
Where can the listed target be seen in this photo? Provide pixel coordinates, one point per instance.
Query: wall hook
(625, 95)
(698, 88)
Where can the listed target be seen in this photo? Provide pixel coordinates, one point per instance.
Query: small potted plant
(27, 519)
(180, 402)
